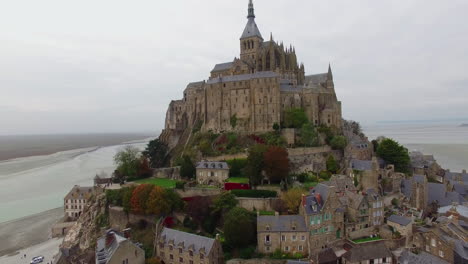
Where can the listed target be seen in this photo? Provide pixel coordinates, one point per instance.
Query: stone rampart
(168, 173)
(194, 191)
(259, 204)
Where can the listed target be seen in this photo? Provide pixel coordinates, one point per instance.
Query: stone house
(342, 183)
(75, 201)
(212, 173)
(407, 257)
(366, 172)
(401, 224)
(375, 252)
(446, 240)
(363, 211)
(324, 217)
(426, 165)
(114, 248)
(175, 246)
(287, 233)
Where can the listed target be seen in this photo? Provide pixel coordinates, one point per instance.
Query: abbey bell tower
(251, 38)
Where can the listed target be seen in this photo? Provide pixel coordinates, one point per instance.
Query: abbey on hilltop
(252, 92)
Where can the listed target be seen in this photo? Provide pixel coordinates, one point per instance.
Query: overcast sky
(114, 66)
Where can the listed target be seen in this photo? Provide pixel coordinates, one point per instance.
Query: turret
(330, 83)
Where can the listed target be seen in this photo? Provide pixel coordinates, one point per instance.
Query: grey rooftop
(283, 223)
(212, 165)
(401, 220)
(187, 240)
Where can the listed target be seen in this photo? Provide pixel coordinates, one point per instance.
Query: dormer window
(267, 228)
(293, 228)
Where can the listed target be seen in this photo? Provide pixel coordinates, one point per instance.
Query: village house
(407, 257)
(75, 201)
(446, 239)
(401, 224)
(366, 172)
(375, 252)
(426, 165)
(180, 247)
(114, 248)
(287, 233)
(212, 173)
(342, 183)
(324, 217)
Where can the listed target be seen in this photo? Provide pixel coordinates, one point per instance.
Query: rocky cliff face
(79, 244)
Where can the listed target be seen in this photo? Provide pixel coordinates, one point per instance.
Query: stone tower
(250, 40)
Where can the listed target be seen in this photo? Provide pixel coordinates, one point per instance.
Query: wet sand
(35, 145)
(28, 231)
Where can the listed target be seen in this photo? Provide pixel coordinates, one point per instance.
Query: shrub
(295, 118)
(394, 153)
(247, 253)
(180, 185)
(239, 228)
(332, 165)
(236, 167)
(254, 193)
(338, 142)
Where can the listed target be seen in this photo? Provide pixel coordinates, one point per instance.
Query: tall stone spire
(330, 74)
(251, 10)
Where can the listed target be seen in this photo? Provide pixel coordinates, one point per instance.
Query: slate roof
(105, 251)
(401, 220)
(251, 30)
(187, 240)
(316, 78)
(461, 209)
(297, 262)
(243, 77)
(327, 255)
(78, 192)
(361, 165)
(355, 199)
(222, 66)
(437, 192)
(316, 199)
(283, 223)
(407, 257)
(212, 165)
(457, 176)
(368, 251)
(461, 248)
(406, 185)
(342, 182)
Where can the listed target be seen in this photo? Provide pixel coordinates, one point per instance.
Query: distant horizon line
(143, 133)
(423, 120)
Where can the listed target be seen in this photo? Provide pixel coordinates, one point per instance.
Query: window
(303, 238)
(267, 248)
(170, 248)
(180, 251)
(191, 253)
(294, 237)
(283, 238)
(441, 253)
(171, 256)
(181, 260)
(300, 248)
(267, 228)
(427, 248)
(191, 262)
(433, 242)
(286, 248)
(202, 256)
(267, 238)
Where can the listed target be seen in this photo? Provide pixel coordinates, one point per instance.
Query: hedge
(254, 193)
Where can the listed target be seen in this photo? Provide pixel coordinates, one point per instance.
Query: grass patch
(367, 239)
(238, 180)
(164, 183)
(267, 213)
(308, 185)
(207, 186)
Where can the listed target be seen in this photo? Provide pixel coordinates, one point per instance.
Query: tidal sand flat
(28, 231)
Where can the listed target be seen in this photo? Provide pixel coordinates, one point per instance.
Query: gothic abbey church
(255, 90)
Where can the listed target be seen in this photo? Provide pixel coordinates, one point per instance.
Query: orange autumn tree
(138, 202)
(276, 163)
(158, 203)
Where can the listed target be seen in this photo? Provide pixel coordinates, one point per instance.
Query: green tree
(309, 136)
(394, 153)
(239, 228)
(224, 202)
(295, 118)
(338, 142)
(236, 167)
(332, 165)
(233, 121)
(187, 168)
(156, 152)
(276, 127)
(128, 161)
(254, 166)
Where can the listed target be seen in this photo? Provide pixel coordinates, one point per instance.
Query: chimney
(217, 237)
(464, 171)
(276, 213)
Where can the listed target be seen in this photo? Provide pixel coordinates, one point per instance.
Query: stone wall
(228, 157)
(259, 204)
(311, 159)
(256, 261)
(168, 173)
(191, 192)
(118, 219)
(365, 232)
